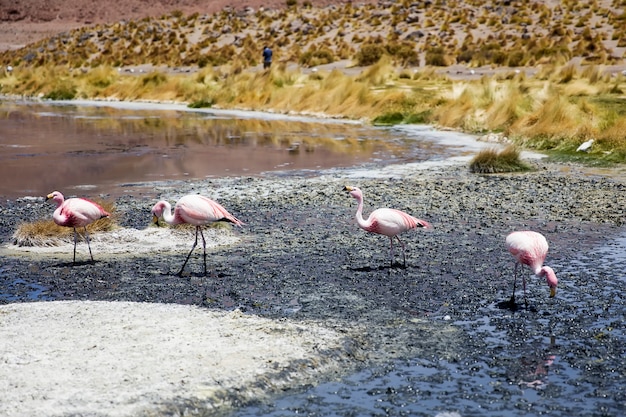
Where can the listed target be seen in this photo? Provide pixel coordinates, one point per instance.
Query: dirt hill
(498, 34)
(26, 21)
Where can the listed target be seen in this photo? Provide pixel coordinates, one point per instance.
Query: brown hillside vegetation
(27, 21)
(438, 33)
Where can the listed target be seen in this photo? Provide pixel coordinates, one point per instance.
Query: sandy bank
(125, 359)
(126, 241)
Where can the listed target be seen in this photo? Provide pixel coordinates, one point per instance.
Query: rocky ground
(302, 258)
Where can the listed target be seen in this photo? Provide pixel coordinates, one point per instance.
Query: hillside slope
(23, 22)
(438, 33)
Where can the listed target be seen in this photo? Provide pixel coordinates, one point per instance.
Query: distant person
(267, 57)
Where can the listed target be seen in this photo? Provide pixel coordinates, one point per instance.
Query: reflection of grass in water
(168, 126)
(48, 233)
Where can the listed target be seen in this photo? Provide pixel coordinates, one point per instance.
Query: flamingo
(196, 210)
(386, 221)
(530, 248)
(76, 212)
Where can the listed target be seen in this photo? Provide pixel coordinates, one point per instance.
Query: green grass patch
(388, 119)
(600, 160)
(61, 93)
(420, 118)
(609, 103)
(201, 104)
(395, 118)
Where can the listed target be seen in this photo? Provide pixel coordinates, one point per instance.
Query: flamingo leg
(204, 248)
(514, 283)
(88, 245)
(75, 240)
(180, 273)
(524, 285)
(403, 250)
(391, 251)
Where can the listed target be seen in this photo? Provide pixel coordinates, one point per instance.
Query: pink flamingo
(530, 248)
(76, 212)
(386, 221)
(196, 210)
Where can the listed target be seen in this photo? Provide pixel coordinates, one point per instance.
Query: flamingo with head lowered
(386, 221)
(76, 212)
(530, 248)
(196, 210)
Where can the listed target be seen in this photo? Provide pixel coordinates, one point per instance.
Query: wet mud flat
(434, 337)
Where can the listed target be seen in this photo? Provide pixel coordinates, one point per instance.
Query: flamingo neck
(359, 212)
(167, 213)
(58, 200)
(549, 275)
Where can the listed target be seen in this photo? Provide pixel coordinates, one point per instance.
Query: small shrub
(154, 79)
(436, 57)
(388, 119)
(404, 53)
(567, 74)
(419, 118)
(369, 54)
(316, 56)
(490, 161)
(65, 92)
(201, 104)
(516, 59)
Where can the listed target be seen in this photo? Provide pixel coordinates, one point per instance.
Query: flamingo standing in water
(530, 248)
(386, 221)
(196, 210)
(76, 212)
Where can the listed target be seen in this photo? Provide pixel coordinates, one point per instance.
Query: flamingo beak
(552, 292)
(348, 188)
(48, 197)
(155, 219)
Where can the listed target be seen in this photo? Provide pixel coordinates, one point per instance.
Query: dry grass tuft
(48, 233)
(491, 161)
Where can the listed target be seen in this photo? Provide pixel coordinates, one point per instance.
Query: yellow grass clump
(491, 161)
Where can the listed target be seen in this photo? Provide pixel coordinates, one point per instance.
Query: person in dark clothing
(267, 57)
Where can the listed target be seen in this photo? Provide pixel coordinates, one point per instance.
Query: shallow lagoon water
(114, 148)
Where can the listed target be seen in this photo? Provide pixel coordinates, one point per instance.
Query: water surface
(109, 148)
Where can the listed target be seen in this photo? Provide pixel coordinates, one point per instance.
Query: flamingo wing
(391, 222)
(529, 248)
(199, 210)
(78, 212)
